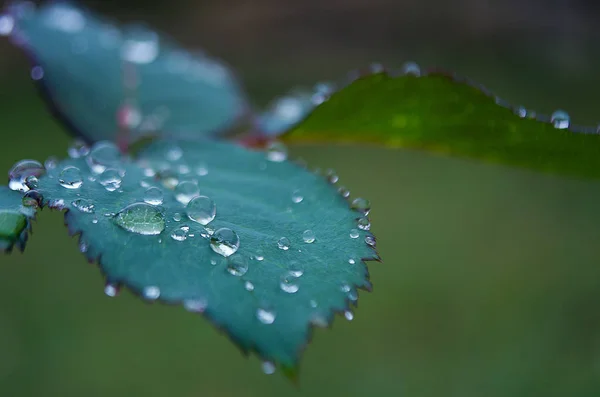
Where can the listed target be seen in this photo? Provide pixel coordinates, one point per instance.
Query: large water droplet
(84, 205)
(276, 152)
(65, 18)
(288, 283)
(110, 179)
(20, 171)
(237, 265)
(141, 46)
(103, 155)
(78, 149)
(361, 205)
(265, 316)
(560, 119)
(225, 242)
(140, 218)
(186, 191)
(70, 178)
(180, 233)
(284, 243)
(201, 209)
(308, 236)
(154, 196)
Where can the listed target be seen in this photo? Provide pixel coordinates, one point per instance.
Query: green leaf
(99, 78)
(137, 220)
(443, 114)
(15, 218)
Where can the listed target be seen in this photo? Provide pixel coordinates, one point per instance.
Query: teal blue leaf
(263, 248)
(16, 214)
(99, 78)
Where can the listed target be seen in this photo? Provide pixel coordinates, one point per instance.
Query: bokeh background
(490, 284)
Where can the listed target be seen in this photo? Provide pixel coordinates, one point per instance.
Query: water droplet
(7, 24)
(313, 303)
(51, 163)
(37, 73)
(361, 205)
(201, 209)
(297, 196)
(141, 46)
(353, 295)
(308, 236)
(180, 233)
(57, 204)
(151, 292)
(202, 170)
(288, 283)
(295, 269)
(84, 205)
(237, 265)
(129, 116)
(268, 368)
(265, 316)
(111, 290)
(332, 176)
(349, 315)
(83, 247)
(32, 199)
(225, 242)
(351, 261)
(364, 223)
(195, 305)
(213, 262)
(140, 218)
(560, 119)
(154, 196)
(65, 18)
(78, 149)
(95, 221)
(345, 288)
(370, 240)
(174, 153)
(177, 217)
(110, 179)
(249, 286)
(183, 169)
(70, 178)
(411, 68)
(276, 152)
(20, 171)
(283, 243)
(186, 191)
(354, 233)
(344, 192)
(103, 155)
(521, 112)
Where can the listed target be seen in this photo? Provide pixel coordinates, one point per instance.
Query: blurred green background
(491, 275)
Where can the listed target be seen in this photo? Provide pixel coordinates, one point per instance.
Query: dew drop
(361, 205)
(174, 153)
(560, 119)
(521, 112)
(177, 217)
(65, 18)
(351, 261)
(84, 205)
(225, 242)
(186, 191)
(70, 178)
(32, 199)
(51, 163)
(154, 196)
(349, 315)
(276, 152)
(313, 303)
(288, 283)
(364, 223)
(268, 368)
(110, 179)
(195, 305)
(180, 233)
(37, 73)
(111, 290)
(20, 171)
(283, 243)
(308, 236)
(103, 155)
(140, 218)
(237, 265)
(151, 292)
(202, 170)
(295, 269)
(297, 196)
(344, 192)
(345, 288)
(213, 262)
(78, 149)
(370, 240)
(265, 316)
(249, 286)
(201, 209)
(332, 176)
(141, 47)
(411, 68)
(354, 233)
(7, 24)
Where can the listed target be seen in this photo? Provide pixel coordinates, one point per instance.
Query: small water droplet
(140, 218)
(361, 205)
(32, 199)
(364, 223)
(249, 286)
(180, 233)
(141, 46)
(308, 236)
(288, 283)
(84, 205)
(95, 221)
(78, 149)
(332, 176)
(296, 269)
(344, 192)
(154, 196)
(202, 170)
(213, 262)
(265, 316)
(51, 163)
(37, 73)
(237, 265)
(560, 119)
(354, 233)
(201, 209)
(174, 153)
(195, 305)
(349, 315)
(345, 288)
(110, 179)
(283, 243)
(65, 18)
(111, 290)
(225, 242)
(276, 152)
(268, 368)
(313, 303)
(370, 240)
(521, 112)
(259, 256)
(20, 171)
(411, 68)
(297, 196)
(103, 155)
(7, 24)
(151, 292)
(186, 191)
(70, 178)
(351, 261)
(177, 217)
